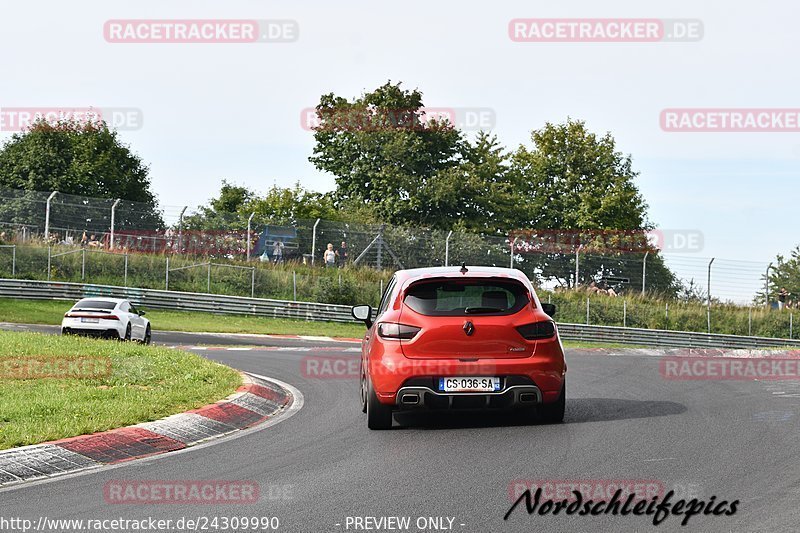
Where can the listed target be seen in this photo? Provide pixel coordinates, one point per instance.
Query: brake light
(84, 315)
(388, 330)
(538, 330)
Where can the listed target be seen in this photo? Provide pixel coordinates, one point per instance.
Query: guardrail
(220, 303)
(176, 301)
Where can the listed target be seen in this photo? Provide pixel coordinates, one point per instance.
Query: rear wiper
(475, 310)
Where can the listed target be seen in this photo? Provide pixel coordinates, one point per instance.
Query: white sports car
(106, 317)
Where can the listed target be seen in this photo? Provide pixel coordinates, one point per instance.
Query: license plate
(469, 384)
(90, 320)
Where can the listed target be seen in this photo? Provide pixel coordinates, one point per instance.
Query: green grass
(144, 383)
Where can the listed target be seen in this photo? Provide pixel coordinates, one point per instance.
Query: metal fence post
(49, 253)
(14, 261)
(113, 213)
(249, 220)
(208, 280)
(512, 252)
(577, 252)
(83, 264)
(644, 271)
(708, 312)
(447, 249)
(253, 283)
(166, 276)
(749, 320)
(294, 285)
(666, 311)
(766, 285)
(47, 216)
(791, 323)
(314, 242)
(180, 230)
(126, 269)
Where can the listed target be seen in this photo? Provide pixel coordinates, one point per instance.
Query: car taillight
(388, 330)
(84, 315)
(538, 330)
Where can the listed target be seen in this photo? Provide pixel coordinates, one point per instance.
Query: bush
(336, 291)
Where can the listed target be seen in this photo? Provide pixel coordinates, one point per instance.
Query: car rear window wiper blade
(476, 310)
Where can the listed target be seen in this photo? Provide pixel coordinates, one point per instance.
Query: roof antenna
(464, 268)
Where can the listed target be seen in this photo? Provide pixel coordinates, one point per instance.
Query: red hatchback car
(460, 338)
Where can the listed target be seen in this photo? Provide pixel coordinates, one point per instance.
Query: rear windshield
(95, 304)
(466, 297)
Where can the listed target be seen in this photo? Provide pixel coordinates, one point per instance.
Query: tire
(148, 335)
(127, 333)
(553, 413)
(65, 331)
(379, 416)
(363, 391)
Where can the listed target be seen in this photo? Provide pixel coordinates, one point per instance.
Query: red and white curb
(259, 401)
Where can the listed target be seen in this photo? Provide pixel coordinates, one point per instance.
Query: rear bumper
(94, 332)
(103, 328)
(425, 397)
(540, 377)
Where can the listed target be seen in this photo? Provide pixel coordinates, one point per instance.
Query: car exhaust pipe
(527, 397)
(409, 399)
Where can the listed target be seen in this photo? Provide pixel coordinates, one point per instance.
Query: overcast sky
(213, 111)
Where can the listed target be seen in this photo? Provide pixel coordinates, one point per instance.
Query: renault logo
(469, 329)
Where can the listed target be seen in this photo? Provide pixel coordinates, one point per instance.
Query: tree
(579, 184)
(475, 194)
(383, 152)
(78, 158)
(222, 212)
(285, 206)
(784, 274)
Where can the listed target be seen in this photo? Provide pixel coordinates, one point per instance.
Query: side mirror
(142, 313)
(550, 309)
(363, 313)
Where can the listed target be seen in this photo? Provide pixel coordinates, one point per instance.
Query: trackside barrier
(218, 303)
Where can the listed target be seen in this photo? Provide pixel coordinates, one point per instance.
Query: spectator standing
(342, 254)
(329, 256)
(277, 252)
(783, 294)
